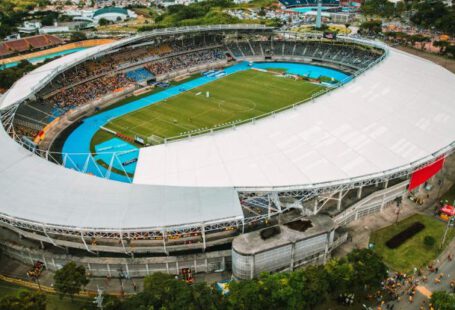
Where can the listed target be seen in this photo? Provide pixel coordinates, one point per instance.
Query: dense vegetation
(301, 289)
(203, 13)
(443, 300)
(360, 273)
(383, 8)
(200, 13)
(14, 12)
(429, 14)
(11, 75)
(371, 27)
(24, 300)
(70, 279)
(437, 15)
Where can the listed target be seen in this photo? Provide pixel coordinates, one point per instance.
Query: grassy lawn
(53, 301)
(236, 97)
(102, 136)
(412, 253)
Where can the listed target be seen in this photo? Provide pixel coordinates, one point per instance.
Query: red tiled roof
(18, 45)
(4, 50)
(28, 44)
(38, 41)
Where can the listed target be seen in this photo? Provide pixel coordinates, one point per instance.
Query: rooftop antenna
(318, 16)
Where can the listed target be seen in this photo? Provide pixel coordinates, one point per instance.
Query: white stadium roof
(34, 189)
(396, 113)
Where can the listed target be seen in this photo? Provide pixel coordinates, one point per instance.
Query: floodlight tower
(318, 16)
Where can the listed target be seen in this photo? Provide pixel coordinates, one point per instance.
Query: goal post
(154, 139)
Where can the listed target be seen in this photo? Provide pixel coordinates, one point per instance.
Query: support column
(252, 267)
(164, 241)
(147, 269)
(195, 265)
(85, 244)
(340, 198)
(326, 252)
(315, 208)
(109, 270)
(206, 265)
(44, 261)
(167, 267)
(386, 184)
(30, 256)
(359, 192)
(291, 265)
(203, 238)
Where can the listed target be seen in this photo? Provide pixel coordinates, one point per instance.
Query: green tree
(47, 20)
(246, 295)
(340, 275)
(383, 8)
(11, 75)
(78, 36)
(442, 46)
(316, 285)
(450, 51)
(70, 279)
(371, 27)
(163, 291)
(103, 22)
(429, 241)
(443, 300)
(435, 13)
(369, 269)
(24, 300)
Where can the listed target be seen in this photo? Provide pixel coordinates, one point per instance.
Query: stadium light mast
(318, 16)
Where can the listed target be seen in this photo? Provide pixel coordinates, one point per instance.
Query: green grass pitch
(233, 98)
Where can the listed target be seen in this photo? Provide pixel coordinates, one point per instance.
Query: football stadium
(217, 147)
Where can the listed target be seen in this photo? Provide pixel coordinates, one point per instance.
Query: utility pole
(99, 298)
(318, 16)
(398, 201)
(449, 222)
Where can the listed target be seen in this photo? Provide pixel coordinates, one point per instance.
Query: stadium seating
(139, 75)
(185, 61)
(96, 78)
(299, 3)
(321, 50)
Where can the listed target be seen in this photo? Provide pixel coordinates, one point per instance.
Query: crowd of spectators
(128, 57)
(85, 92)
(80, 94)
(185, 61)
(25, 131)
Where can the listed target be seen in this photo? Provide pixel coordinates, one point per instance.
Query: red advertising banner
(422, 175)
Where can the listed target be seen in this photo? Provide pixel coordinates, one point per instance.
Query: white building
(29, 27)
(113, 14)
